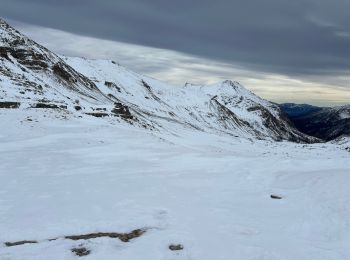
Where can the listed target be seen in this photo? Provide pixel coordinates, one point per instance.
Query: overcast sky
(283, 50)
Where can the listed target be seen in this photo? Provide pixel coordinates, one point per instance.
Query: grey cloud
(178, 68)
(300, 37)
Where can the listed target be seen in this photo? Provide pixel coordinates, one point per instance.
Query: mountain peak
(10, 37)
(230, 83)
(234, 85)
(4, 26)
(3, 22)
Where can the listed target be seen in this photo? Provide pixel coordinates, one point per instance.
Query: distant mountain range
(326, 123)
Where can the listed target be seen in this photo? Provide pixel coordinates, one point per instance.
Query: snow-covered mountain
(100, 162)
(34, 77)
(326, 123)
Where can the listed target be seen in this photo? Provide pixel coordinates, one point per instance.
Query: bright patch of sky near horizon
(178, 68)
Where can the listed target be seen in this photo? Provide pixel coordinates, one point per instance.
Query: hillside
(326, 123)
(34, 77)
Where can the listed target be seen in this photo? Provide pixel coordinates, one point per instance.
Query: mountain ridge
(38, 78)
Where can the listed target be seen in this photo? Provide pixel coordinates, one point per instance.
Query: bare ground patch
(124, 237)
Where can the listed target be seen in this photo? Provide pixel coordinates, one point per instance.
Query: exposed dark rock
(112, 97)
(18, 243)
(26, 57)
(108, 84)
(59, 70)
(149, 89)
(275, 197)
(125, 237)
(121, 110)
(4, 53)
(49, 105)
(112, 85)
(77, 108)
(177, 247)
(10, 104)
(81, 251)
(97, 114)
(101, 109)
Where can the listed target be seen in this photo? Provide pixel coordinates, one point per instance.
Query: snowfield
(208, 192)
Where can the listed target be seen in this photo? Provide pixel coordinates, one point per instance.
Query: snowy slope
(226, 107)
(35, 77)
(208, 192)
(30, 72)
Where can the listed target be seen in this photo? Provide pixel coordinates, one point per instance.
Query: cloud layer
(301, 37)
(177, 68)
